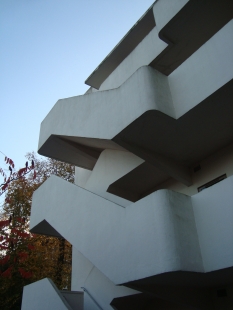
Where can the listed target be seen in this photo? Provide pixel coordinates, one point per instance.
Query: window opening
(214, 181)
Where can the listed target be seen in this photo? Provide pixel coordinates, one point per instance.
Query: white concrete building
(151, 215)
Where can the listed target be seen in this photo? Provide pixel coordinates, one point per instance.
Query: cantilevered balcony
(152, 116)
(163, 232)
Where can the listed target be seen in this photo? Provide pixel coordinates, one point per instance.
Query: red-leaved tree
(26, 257)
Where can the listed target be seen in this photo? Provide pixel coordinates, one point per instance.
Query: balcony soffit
(185, 33)
(189, 29)
(179, 144)
(169, 146)
(135, 35)
(173, 289)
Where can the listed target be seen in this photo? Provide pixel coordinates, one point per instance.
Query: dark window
(218, 179)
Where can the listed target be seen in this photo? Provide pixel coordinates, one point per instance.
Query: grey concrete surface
(85, 274)
(214, 224)
(163, 106)
(75, 299)
(109, 235)
(85, 118)
(165, 10)
(110, 166)
(162, 223)
(43, 295)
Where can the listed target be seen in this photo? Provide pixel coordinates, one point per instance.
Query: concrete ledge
(75, 129)
(43, 295)
(157, 223)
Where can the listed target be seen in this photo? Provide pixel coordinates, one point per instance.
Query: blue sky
(48, 49)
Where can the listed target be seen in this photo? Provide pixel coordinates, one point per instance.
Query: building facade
(150, 216)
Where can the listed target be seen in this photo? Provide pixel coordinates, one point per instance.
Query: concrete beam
(167, 165)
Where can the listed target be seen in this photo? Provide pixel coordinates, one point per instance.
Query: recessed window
(218, 179)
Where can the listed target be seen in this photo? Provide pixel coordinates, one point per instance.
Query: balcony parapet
(144, 239)
(162, 232)
(151, 115)
(44, 295)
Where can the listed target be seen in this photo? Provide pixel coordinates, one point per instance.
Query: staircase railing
(92, 298)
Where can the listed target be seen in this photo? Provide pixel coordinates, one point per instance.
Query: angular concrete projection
(113, 246)
(164, 223)
(85, 118)
(75, 129)
(43, 295)
(214, 224)
(111, 166)
(152, 142)
(186, 25)
(74, 298)
(180, 35)
(127, 45)
(86, 275)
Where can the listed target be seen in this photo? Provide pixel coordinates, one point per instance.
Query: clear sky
(48, 48)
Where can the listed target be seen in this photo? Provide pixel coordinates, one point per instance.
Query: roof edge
(127, 44)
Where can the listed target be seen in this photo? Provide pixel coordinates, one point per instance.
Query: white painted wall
(126, 244)
(81, 176)
(74, 299)
(85, 274)
(89, 303)
(43, 295)
(148, 49)
(205, 71)
(212, 167)
(165, 10)
(165, 231)
(144, 53)
(102, 115)
(200, 75)
(154, 235)
(213, 210)
(111, 166)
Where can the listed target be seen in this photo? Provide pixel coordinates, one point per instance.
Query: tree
(26, 257)
(14, 175)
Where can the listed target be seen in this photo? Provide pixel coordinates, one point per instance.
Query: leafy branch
(15, 175)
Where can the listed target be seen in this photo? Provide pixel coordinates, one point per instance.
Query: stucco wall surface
(110, 166)
(85, 274)
(43, 295)
(144, 239)
(104, 114)
(205, 71)
(74, 298)
(146, 51)
(209, 68)
(213, 210)
(212, 167)
(165, 10)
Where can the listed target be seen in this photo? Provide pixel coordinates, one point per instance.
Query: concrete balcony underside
(185, 291)
(169, 147)
(172, 146)
(183, 33)
(152, 116)
(163, 232)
